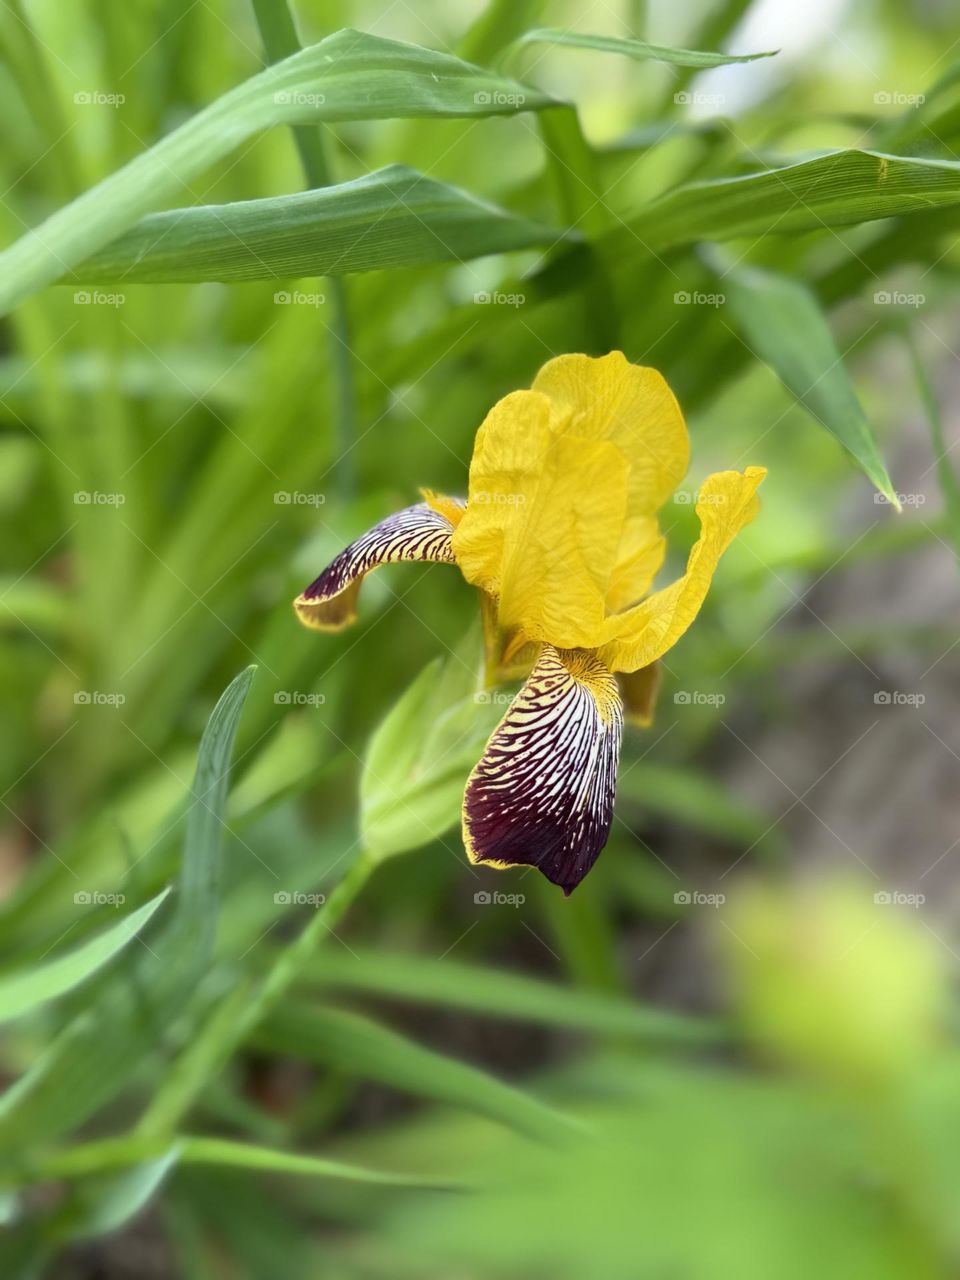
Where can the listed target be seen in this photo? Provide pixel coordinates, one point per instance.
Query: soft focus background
(733, 1052)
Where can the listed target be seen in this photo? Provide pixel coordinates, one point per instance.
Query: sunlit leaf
(639, 50)
(781, 322)
(348, 76)
(395, 217)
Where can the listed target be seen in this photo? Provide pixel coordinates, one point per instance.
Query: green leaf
(154, 1158)
(22, 992)
(833, 190)
(348, 76)
(946, 475)
(503, 994)
(395, 217)
(96, 1053)
(782, 323)
(421, 754)
(639, 50)
(364, 1049)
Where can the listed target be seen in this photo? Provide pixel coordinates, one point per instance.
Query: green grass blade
(500, 994)
(111, 1154)
(639, 50)
(365, 1050)
(22, 992)
(395, 217)
(94, 1056)
(834, 190)
(348, 76)
(782, 323)
(946, 475)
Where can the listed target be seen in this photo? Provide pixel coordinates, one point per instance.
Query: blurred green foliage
(445, 1083)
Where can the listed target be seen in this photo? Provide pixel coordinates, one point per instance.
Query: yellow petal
(504, 473)
(639, 557)
(558, 559)
(644, 633)
(638, 691)
(609, 398)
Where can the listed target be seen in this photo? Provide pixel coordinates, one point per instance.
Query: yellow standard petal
(608, 398)
(557, 563)
(504, 474)
(644, 633)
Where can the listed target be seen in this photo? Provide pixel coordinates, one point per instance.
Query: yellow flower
(560, 535)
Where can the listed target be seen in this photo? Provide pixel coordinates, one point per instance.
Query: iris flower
(559, 534)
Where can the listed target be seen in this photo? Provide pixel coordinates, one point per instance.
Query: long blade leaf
(22, 992)
(639, 50)
(395, 217)
(348, 76)
(781, 321)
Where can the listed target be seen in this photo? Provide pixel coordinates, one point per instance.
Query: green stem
(280, 40)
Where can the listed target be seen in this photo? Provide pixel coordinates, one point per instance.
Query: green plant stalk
(279, 36)
(238, 1016)
(108, 1155)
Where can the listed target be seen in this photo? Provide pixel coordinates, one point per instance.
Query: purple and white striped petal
(415, 533)
(542, 794)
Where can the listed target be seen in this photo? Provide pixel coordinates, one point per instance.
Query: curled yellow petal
(630, 405)
(644, 633)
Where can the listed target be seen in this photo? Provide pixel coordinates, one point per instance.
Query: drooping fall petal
(421, 532)
(644, 633)
(542, 793)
